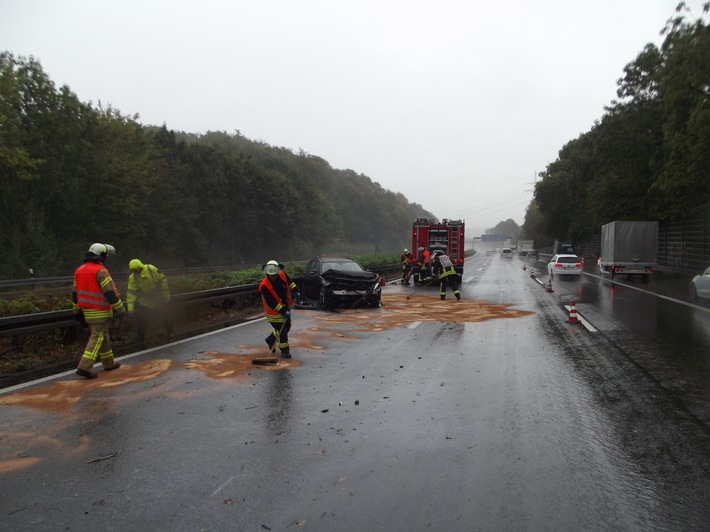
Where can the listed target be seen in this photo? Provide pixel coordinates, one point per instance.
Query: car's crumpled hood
(350, 278)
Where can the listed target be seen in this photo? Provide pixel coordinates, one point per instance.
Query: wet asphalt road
(489, 414)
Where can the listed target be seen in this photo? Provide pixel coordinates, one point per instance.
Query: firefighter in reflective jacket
(95, 300)
(148, 296)
(444, 268)
(406, 259)
(276, 295)
(424, 265)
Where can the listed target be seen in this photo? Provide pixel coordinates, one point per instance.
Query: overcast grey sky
(455, 104)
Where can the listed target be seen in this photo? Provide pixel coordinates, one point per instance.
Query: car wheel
(326, 299)
(373, 301)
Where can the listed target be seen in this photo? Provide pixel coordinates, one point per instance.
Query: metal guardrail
(61, 319)
(118, 276)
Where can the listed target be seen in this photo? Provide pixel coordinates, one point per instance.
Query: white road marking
(584, 322)
(667, 298)
(224, 485)
(414, 325)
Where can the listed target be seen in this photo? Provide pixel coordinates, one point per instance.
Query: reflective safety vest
(88, 292)
(275, 311)
(148, 288)
(447, 267)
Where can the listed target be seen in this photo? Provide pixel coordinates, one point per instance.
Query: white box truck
(629, 248)
(525, 247)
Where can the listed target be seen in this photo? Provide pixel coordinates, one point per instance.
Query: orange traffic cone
(573, 313)
(524, 268)
(549, 286)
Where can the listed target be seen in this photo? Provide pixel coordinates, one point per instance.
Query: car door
(311, 279)
(551, 264)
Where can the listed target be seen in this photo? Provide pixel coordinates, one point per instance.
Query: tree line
(72, 173)
(648, 158)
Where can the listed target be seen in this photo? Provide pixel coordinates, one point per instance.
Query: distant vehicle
(564, 264)
(507, 253)
(700, 285)
(490, 252)
(525, 247)
(340, 282)
(563, 248)
(629, 247)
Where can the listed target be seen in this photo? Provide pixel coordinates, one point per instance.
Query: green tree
(683, 187)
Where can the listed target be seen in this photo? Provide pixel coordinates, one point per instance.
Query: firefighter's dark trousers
(280, 334)
(144, 316)
(406, 272)
(452, 279)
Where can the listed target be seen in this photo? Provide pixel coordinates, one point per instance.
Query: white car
(564, 265)
(700, 285)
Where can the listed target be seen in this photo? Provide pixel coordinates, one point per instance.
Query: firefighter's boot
(286, 352)
(270, 341)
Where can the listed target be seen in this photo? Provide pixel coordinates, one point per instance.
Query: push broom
(270, 360)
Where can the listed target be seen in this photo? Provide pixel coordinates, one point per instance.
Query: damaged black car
(335, 282)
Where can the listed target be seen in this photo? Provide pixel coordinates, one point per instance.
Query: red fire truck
(448, 236)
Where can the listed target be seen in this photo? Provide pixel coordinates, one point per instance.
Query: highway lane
(652, 323)
(486, 414)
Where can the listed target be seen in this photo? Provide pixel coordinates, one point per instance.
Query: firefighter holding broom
(444, 269)
(277, 291)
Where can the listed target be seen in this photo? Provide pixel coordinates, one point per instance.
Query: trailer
(629, 247)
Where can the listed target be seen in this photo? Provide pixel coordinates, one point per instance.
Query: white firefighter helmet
(405, 250)
(272, 268)
(102, 249)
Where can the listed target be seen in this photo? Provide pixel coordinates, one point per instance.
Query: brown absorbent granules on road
(61, 396)
(233, 365)
(399, 310)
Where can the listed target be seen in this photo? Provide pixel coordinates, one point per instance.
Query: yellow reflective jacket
(149, 288)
